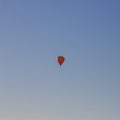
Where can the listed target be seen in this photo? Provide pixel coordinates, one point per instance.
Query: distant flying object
(60, 60)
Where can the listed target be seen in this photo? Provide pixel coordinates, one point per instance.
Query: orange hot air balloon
(60, 60)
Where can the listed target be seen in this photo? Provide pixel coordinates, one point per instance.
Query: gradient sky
(33, 86)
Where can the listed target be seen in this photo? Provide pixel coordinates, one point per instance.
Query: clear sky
(33, 86)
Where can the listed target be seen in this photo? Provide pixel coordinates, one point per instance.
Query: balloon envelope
(60, 60)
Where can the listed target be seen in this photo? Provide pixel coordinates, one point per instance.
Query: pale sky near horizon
(33, 86)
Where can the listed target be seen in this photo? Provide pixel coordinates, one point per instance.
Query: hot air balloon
(60, 60)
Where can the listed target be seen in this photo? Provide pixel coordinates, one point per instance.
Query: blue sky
(33, 86)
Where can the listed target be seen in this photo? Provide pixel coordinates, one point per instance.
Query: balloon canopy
(60, 60)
